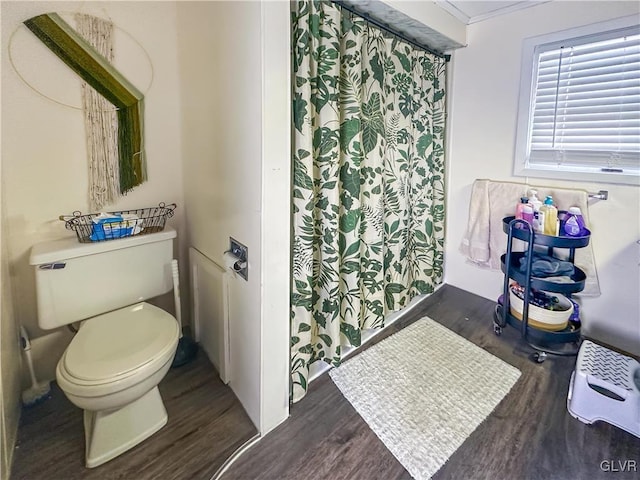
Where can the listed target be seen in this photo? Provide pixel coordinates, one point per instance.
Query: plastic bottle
(534, 200)
(538, 222)
(523, 201)
(527, 214)
(574, 224)
(550, 214)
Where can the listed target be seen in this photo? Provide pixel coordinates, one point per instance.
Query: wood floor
(206, 425)
(530, 435)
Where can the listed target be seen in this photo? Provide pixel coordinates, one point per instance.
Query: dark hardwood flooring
(206, 425)
(530, 435)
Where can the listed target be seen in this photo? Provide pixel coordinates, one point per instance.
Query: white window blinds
(586, 103)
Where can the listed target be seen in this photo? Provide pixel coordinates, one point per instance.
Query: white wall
(44, 154)
(484, 100)
(435, 17)
(10, 362)
(276, 216)
(234, 61)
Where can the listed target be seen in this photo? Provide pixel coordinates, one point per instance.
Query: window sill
(584, 175)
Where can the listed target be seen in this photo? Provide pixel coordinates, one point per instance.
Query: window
(579, 115)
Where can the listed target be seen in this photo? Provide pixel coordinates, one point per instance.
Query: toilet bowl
(96, 376)
(124, 346)
(111, 370)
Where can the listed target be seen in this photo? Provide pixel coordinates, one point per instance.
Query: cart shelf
(544, 337)
(564, 342)
(546, 240)
(538, 283)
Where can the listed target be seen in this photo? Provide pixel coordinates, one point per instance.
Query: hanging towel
(475, 243)
(584, 257)
(485, 241)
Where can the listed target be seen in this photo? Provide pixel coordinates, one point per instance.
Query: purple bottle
(527, 214)
(574, 223)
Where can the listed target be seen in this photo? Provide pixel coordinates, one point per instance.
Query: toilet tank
(76, 281)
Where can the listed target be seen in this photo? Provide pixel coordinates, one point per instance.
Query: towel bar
(601, 195)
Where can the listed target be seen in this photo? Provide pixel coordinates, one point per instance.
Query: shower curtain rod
(392, 31)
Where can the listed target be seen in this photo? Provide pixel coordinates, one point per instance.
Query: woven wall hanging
(91, 58)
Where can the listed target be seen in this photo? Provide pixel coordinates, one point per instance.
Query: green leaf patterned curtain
(368, 182)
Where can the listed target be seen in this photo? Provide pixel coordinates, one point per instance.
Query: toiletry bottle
(538, 222)
(550, 216)
(527, 214)
(534, 200)
(523, 201)
(574, 225)
(574, 319)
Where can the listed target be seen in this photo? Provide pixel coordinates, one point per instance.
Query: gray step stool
(605, 385)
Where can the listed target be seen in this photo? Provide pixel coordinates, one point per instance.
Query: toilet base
(113, 432)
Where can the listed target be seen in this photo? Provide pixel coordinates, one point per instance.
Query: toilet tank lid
(67, 248)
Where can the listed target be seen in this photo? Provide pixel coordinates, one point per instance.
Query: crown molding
(450, 6)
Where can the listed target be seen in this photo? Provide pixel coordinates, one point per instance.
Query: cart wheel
(497, 317)
(539, 357)
(497, 329)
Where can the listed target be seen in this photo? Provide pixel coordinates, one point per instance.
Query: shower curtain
(368, 180)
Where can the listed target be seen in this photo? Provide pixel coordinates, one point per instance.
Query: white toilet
(124, 346)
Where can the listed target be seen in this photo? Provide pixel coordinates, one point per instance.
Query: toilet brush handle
(176, 292)
(26, 348)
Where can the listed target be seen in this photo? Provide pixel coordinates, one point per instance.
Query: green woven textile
(83, 59)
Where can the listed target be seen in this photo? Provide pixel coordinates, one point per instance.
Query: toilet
(124, 346)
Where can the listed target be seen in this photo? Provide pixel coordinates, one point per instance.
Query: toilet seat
(115, 350)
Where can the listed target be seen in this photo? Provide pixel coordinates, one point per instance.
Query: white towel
(475, 243)
(485, 241)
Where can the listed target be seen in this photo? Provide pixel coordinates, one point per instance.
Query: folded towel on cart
(546, 266)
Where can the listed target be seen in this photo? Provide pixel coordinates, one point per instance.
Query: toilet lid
(118, 342)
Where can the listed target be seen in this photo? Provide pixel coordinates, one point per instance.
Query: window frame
(528, 72)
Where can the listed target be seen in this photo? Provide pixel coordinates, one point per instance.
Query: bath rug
(423, 391)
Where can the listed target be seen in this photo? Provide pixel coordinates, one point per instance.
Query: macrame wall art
(113, 107)
(100, 120)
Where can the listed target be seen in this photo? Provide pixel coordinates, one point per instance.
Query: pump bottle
(520, 208)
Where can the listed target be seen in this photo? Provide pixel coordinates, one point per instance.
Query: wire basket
(98, 227)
